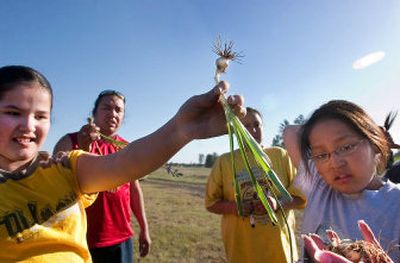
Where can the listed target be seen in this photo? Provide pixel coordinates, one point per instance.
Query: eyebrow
(13, 107)
(337, 140)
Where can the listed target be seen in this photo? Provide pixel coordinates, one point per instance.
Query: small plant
(250, 150)
(117, 144)
(226, 54)
(360, 251)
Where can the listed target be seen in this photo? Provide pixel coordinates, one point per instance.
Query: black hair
(13, 75)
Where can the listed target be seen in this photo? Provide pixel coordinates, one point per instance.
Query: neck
(16, 167)
(375, 183)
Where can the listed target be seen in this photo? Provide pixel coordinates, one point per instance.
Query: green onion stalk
(250, 150)
(111, 140)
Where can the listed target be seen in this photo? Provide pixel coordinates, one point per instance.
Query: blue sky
(298, 55)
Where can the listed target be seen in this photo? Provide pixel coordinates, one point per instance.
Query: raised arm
(199, 117)
(291, 141)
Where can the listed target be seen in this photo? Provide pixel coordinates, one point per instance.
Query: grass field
(181, 228)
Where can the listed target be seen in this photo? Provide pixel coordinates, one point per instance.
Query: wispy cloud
(368, 60)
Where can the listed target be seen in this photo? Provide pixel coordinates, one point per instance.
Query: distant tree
(299, 120)
(278, 139)
(210, 159)
(201, 158)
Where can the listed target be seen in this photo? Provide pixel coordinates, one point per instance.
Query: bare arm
(200, 117)
(291, 141)
(137, 206)
(63, 145)
(297, 203)
(223, 207)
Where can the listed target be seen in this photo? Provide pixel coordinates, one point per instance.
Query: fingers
(144, 248)
(221, 88)
(272, 202)
(90, 131)
(310, 245)
(315, 248)
(236, 102)
(367, 233)
(318, 241)
(333, 237)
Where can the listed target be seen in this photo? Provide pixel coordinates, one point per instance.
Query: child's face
(110, 114)
(24, 122)
(345, 160)
(253, 124)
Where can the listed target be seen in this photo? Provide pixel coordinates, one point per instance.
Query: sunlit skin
(349, 174)
(253, 123)
(25, 122)
(109, 114)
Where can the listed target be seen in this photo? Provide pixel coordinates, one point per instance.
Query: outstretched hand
(202, 116)
(317, 250)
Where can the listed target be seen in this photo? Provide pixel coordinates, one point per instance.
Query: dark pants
(122, 253)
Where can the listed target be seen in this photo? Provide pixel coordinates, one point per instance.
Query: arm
(63, 145)
(215, 200)
(137, 206)
(291, 141)
(296, 203)
(223, 207)
(200, 117)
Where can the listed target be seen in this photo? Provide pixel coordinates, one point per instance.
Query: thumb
(90, 120)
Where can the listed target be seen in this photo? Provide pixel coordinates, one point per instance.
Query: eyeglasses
(341, 151)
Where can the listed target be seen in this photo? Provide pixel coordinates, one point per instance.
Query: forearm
(291, 140)
(296, 203)
(223, 207)
(138, 159)
(137, 206)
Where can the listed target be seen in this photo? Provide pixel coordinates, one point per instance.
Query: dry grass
(181, 228)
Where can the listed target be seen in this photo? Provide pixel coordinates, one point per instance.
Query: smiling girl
(341, 154)
(42, 201)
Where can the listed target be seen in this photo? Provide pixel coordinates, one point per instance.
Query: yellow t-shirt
(264, 242)
(42, 214)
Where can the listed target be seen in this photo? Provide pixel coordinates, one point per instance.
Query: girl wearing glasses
(341, 154)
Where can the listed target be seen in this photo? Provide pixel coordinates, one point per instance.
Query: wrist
(182, 135)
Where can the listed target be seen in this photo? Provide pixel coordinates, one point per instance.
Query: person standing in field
(110, 232)
(42, 199)
(245, 240)
(341, 155)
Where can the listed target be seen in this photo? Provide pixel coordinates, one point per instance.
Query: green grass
(181, 229)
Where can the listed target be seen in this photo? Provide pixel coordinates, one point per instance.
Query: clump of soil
(360, 251)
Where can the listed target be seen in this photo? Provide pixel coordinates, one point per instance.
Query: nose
(252, 130)
(27, 124)
(335, 160)
(114, 113)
